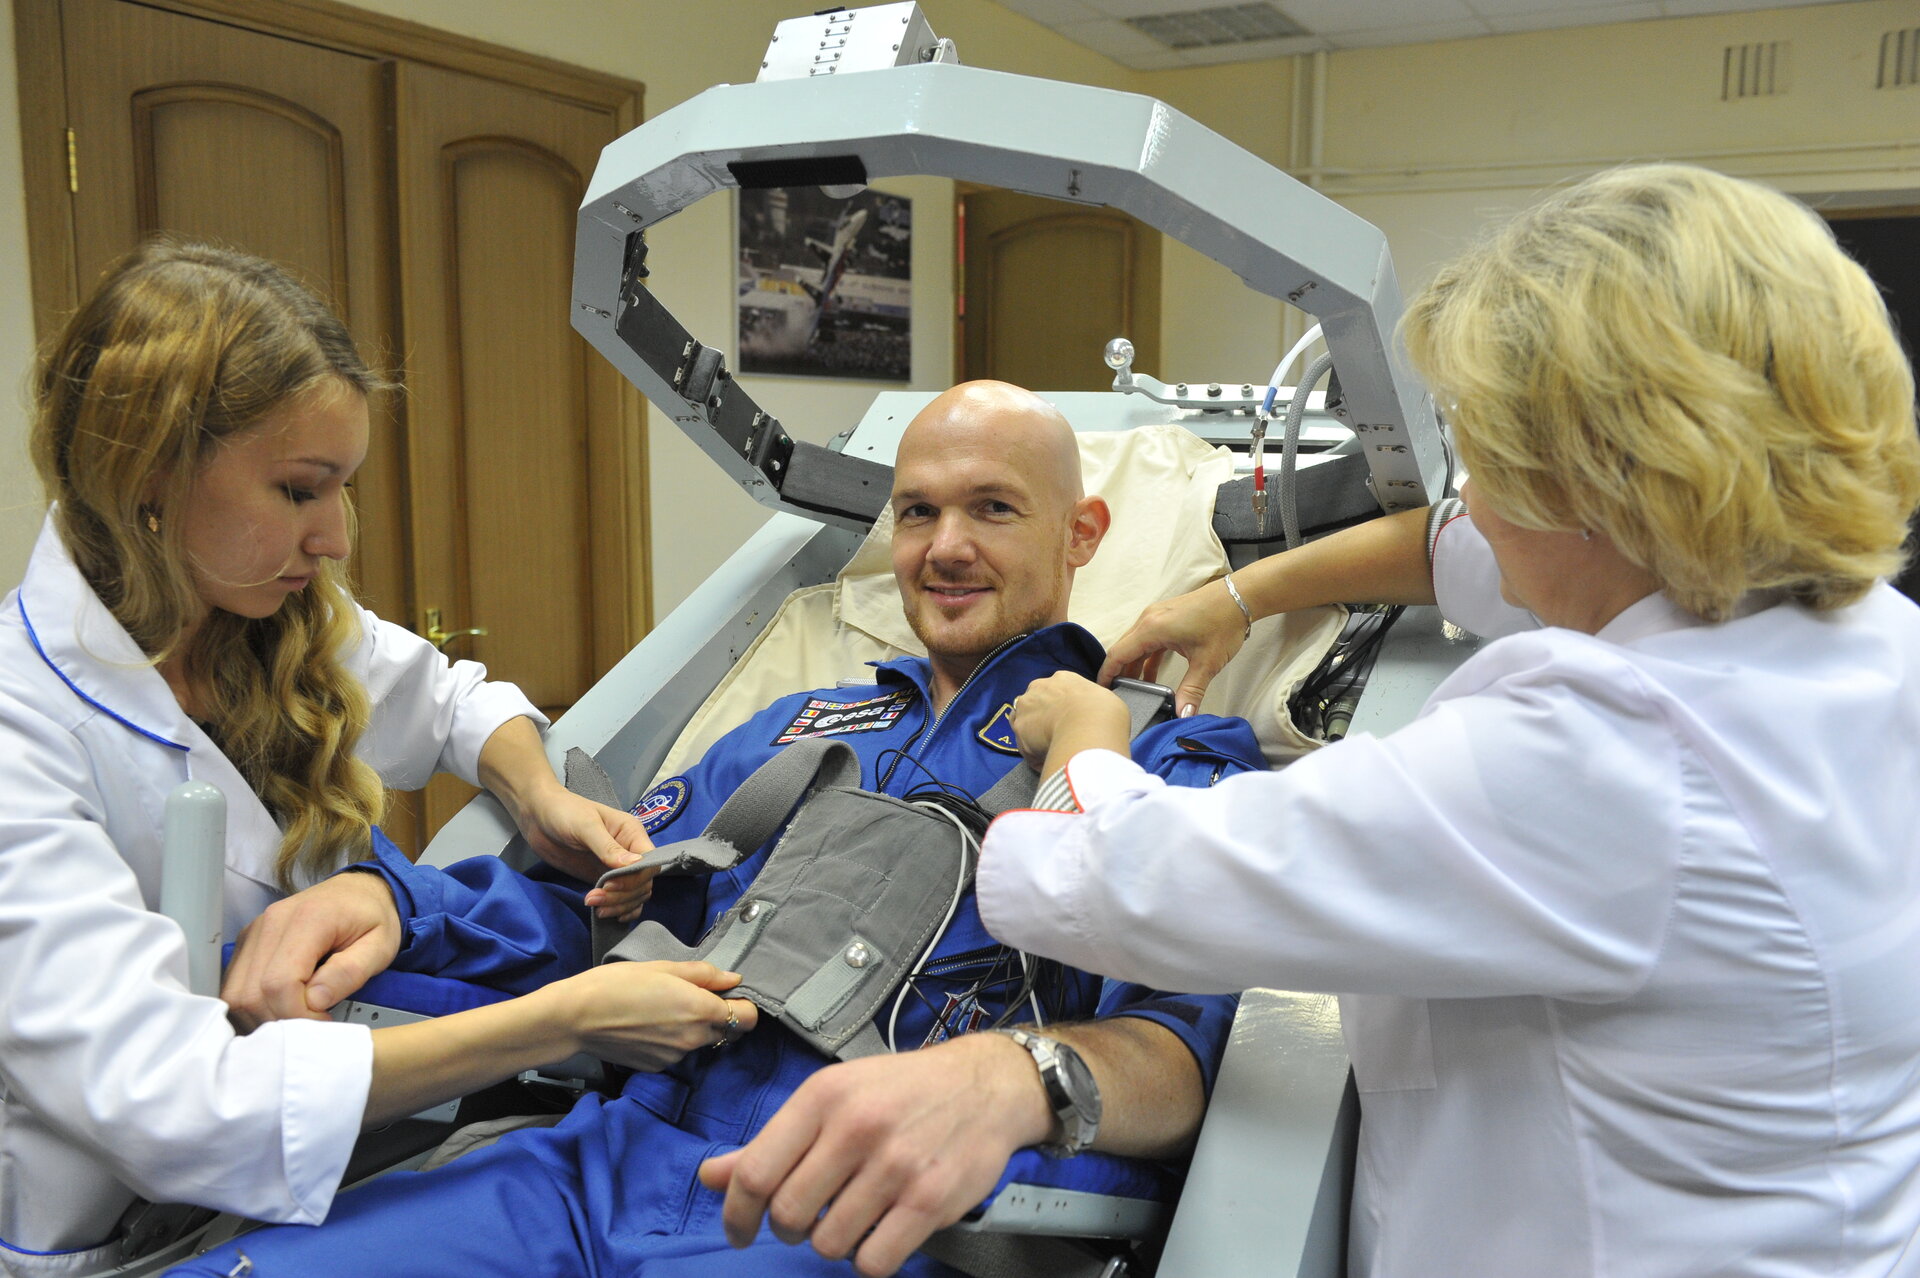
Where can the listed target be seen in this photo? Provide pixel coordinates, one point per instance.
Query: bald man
(858, 1161)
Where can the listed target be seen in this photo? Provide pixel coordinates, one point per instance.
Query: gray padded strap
(866, 1042)
(586, 778)
(752, 814)
(1144, 701)
(755, 811)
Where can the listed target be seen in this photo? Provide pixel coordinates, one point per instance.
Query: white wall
(1428, 141)
(1431, 142)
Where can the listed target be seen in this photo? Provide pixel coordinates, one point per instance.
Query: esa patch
(820, 718)
(999, 730)
(662, 804)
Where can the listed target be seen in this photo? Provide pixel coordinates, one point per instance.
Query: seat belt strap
(752, 814)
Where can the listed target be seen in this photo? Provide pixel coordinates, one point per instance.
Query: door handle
(440, 638)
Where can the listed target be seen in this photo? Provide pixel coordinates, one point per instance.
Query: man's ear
(1090, 521)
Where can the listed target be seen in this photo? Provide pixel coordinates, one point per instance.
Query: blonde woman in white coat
(184, 616)
(1626, 924)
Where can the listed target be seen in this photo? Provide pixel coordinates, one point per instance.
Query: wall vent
(1899, 59)
(1753, 71)
(1206, 28)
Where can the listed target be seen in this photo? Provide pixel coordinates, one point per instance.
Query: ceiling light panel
(1225, 25)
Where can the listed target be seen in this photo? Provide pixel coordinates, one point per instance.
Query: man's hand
(306, 953)
(1062, 714)
(890, 1148)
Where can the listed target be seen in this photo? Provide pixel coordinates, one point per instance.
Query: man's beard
(973, 647)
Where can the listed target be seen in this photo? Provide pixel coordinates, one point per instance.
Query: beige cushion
(1160, 483)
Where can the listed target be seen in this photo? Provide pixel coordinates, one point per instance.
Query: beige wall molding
(1896, 160)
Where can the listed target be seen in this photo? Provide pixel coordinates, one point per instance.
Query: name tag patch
(820, 718)
(998, 732)
(662, 804)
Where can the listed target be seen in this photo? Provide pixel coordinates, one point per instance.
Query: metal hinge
(73, 166)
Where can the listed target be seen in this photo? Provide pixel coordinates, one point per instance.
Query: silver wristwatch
(1072, 1094)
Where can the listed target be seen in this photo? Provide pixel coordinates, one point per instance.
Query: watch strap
(1079, 1117)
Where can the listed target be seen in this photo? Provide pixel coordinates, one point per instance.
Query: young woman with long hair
(184, 616)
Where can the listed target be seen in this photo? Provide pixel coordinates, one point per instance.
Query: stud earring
(1586, 534)
(153, 521)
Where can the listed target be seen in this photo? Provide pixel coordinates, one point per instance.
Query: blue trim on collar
(26, 1251)
(122, 720)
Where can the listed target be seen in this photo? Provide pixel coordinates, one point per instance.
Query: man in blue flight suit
(861, 1159)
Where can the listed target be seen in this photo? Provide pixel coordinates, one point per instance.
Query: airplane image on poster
(825, 286)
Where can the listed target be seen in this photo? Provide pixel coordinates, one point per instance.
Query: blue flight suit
(612, 1189)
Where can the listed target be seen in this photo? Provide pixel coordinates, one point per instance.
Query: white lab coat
(1628, 926)
(117, 1081)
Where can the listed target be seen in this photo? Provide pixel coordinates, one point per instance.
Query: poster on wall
(825, 285)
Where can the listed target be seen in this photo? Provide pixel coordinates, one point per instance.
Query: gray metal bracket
(1067, 141)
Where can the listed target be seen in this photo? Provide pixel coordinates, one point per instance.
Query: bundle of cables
(1323, 705)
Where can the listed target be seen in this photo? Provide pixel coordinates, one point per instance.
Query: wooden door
(268, 145)
(521, 452)
(1046, 284)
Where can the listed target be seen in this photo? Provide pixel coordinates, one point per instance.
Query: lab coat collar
(91, 652)
(1654, 615)
(1657, 615)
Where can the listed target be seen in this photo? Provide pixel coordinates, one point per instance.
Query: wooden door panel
(516, 425)
(530, 466)
(1046, 284)
(181, 133)
(495, 188)
(1085, 260)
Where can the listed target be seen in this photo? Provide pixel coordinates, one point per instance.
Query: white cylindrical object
(193, 866)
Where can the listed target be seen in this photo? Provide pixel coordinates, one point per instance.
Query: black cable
(1322, 707)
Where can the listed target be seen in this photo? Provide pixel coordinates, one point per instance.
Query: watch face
(1079, 1083)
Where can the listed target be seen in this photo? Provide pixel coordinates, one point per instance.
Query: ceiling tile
(1332, 17)
(1528, 8)
(1586, 16)
(1693, 8)
(1253, 51)
(1144, 8)
(1099, 24)
(1167, 60)
(1054, 13)
(1466, 29)
(1114, 38)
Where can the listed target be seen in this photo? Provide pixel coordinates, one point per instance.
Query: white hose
(1285, 366)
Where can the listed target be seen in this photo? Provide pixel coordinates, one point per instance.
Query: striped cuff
(1055, 795)
(1437, 516)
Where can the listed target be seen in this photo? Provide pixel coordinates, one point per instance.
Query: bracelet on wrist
(1244, 610)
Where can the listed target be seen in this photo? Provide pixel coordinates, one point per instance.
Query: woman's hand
(642, 1015)
(586, 839)
(572, 834)
(1205, 626)
(646, 1016)
(309, 951)
(1063, 714)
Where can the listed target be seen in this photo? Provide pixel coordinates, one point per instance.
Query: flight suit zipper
(917, 747)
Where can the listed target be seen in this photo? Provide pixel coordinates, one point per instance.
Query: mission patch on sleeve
(662, 804)
(820, 718)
